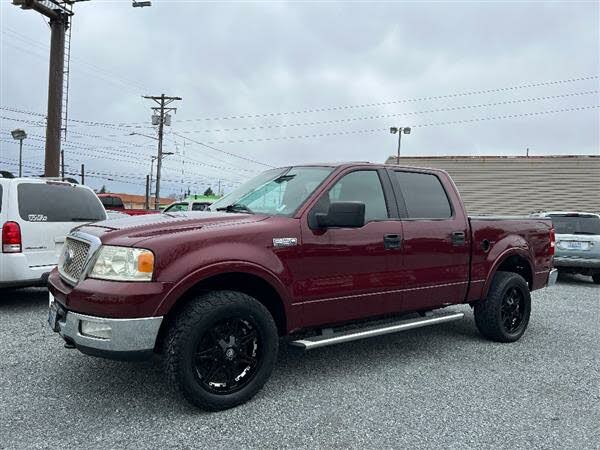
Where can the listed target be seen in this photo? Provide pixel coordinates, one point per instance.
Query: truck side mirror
(342, 215)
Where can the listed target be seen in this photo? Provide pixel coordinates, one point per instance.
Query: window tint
(424, 196)
(360, 186)
(572, 224)
(58, 203)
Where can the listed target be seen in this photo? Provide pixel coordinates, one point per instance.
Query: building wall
(520, 185)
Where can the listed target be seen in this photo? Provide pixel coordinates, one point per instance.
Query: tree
(102, 190)
(209, 191)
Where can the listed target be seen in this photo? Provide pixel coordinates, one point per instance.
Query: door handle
(458, 238)
(392, 241)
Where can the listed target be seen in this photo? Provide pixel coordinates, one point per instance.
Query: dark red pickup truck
(321, 254)
(113, 202)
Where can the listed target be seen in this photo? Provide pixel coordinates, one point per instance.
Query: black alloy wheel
(220, 349)
(504, 314)
(512, 310)
(227, 356)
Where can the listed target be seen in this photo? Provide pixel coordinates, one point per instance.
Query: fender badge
(284, 242)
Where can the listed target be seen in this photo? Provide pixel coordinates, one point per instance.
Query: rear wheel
(504, 315)
(221, 349)
(596, 278)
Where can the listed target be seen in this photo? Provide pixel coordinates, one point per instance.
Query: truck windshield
(276, 191)
(576, 224)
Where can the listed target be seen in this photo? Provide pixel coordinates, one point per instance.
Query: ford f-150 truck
(320, 254)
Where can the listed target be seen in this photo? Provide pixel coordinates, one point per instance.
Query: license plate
(575, 245)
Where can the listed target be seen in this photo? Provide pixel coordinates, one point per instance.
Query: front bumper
(127, 339)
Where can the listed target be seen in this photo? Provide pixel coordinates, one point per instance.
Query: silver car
(577, 242)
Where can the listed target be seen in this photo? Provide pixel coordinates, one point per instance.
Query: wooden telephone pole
(59, 12)
(160, 118)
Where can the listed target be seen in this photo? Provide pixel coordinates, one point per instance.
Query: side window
(424, 196)
(176, 207)
(200, 206)
(0, 198)
(359, 186)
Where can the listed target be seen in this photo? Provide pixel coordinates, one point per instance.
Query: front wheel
(221, 349)
(504, 315)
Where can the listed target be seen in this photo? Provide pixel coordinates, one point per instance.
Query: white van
(36, 214)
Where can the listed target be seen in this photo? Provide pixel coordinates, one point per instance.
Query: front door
(347, 273)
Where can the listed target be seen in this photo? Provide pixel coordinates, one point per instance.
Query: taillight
(552, 241)
(11, 238)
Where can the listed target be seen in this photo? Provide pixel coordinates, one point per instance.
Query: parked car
(112, 214)
(301, 252)
(36, 215)
(188, 206)
(115, 203)
(577, 242)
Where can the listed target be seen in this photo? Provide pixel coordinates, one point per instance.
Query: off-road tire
(192, 322)
(488, 314)
(596, 278)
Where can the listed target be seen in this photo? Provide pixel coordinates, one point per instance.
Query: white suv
(36, 214)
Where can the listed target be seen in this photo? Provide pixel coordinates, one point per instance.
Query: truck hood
(132, 229)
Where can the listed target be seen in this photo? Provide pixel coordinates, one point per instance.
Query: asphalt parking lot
(440, 386)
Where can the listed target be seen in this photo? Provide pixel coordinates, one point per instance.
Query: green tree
(209, 191)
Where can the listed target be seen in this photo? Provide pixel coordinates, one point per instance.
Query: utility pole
(160, 118)
(83, 174)
(147, 200)
(59, 12)
(62, 164)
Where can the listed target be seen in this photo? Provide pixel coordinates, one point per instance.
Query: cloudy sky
(280, 83)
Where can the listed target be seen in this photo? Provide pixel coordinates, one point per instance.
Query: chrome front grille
(73, 259)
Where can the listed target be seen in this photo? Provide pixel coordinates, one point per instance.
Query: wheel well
(251, 285)
(519, 265)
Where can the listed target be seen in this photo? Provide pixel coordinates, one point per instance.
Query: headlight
(123, 264)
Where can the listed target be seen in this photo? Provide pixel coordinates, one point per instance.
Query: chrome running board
(348, 336)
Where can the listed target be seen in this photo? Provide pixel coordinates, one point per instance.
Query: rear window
(42, 202)
(112, 201)
(576, 224)
(424, 196)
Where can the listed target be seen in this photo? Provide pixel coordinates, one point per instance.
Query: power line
(382, 116)
(122, 157)
(378, 130)
(400, 101)
(223, 151)
(93, 70)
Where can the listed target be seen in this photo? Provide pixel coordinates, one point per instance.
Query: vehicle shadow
(574, 279)
(23, 299)
(143, 385)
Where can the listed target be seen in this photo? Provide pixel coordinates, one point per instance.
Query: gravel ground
(440, 386)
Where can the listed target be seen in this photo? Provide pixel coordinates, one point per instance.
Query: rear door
(434, 264)
(47, 212)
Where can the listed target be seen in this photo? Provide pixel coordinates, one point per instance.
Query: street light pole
(19, 135)
(400, 131)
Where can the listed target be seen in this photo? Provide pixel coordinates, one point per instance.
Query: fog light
(98, 330)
